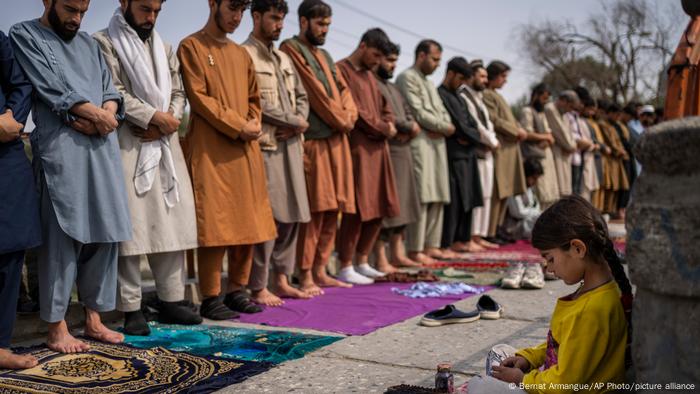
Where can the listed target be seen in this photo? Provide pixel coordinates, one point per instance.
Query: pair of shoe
(364, 275)
(179, 312)
(486, 308)
(228, 307)
(523, 276)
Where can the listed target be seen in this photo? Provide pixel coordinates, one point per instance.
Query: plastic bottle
(444, 380)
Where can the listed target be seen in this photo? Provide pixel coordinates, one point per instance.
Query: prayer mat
(124, 369)
(356, 311)
(408, 277)
(516, 252)
(232, 342)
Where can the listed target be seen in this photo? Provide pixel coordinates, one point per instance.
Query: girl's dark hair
(570, 218)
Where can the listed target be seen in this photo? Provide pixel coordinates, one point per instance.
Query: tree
(619, 53)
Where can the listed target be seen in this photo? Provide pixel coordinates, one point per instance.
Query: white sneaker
(513, 277)
(533, 277)
(349, 275)
(366, 270)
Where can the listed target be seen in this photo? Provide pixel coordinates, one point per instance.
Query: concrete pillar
(663, 253)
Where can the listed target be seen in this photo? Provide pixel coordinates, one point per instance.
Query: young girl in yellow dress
(586, 345)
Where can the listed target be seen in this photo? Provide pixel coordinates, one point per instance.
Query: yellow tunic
(586, 344)
(228, 174)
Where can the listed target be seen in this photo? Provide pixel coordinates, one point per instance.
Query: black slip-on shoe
(178, 313)
(135, 324)
(448, 315)
(213, 308)
(239, 301)
(488, 308)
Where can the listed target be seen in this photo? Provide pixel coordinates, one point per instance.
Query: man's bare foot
(323, 280)
(264, 297)
(307, 284)
(434, 253)
(421, 258)
(9, 360)
(283, 289)
(404, 261)
(449, 254)
(60, 340)
(98, 331)
(486, 244)
(386, 268)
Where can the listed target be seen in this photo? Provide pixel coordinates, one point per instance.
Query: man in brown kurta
(402, 161)
(226, 165)
(510, 177)
(375, 187)
(327, 161)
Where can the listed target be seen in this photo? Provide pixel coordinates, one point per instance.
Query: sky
(485, 29)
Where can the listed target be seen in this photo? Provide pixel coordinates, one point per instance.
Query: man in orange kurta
(375, 185)
(224, 157)
(683, 92)
(327, 161)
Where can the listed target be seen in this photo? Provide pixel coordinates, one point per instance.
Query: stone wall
(663, 253)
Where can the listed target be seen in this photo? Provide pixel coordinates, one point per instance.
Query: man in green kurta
(429, 152)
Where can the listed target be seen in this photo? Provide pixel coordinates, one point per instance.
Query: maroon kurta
(375, 186)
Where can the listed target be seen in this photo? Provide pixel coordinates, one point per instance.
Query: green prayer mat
(232, 342)
(109, 369)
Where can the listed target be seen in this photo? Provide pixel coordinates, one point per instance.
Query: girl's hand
(508, 375)
(516, 362)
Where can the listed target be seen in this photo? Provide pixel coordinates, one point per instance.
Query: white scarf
(155, 90)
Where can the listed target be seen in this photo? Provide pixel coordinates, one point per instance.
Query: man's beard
(313, 40)
(143, 32)
(478, 87)
(384, 74)
(59, 27)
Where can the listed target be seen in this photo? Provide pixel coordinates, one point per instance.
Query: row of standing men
(280, 142)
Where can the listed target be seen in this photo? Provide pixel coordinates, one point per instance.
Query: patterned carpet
(109, 369)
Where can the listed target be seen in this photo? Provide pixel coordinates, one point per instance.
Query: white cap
(647, 109)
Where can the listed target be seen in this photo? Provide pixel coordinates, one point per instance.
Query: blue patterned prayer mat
(232, 342)
(109, 369)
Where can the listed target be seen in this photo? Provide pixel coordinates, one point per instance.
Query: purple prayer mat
(356, 311)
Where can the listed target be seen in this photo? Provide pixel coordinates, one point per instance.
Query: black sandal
(213, 308)
(240, 302)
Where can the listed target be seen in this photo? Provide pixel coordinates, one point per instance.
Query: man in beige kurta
(226, 164)
(534, 121)
(564, 143)
(423, 237)
(162, 223)
(285, 108)
(508, 163)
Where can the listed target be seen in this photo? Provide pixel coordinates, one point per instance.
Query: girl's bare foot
(98, 331)
(264, 297)
(60, 340)
(9, 360)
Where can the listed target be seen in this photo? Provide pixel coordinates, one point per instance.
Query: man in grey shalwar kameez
(84, 209)
(146, 72)
(285, 108)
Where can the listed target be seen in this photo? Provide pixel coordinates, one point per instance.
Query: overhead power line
(402, 29)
